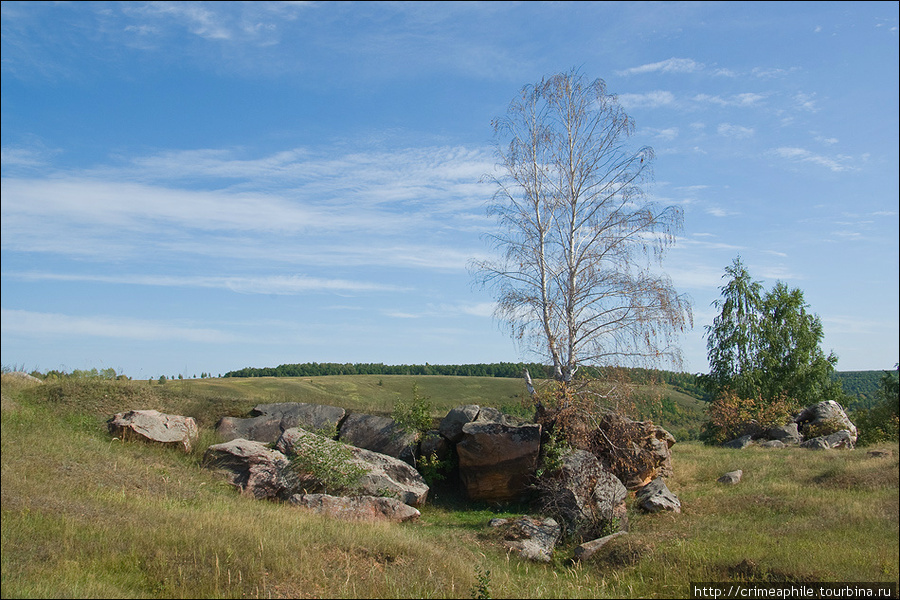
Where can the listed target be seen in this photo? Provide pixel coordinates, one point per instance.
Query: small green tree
(766, 345)
(413, 415)
(732, 339)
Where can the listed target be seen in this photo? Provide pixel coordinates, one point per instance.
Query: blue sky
(200, 187)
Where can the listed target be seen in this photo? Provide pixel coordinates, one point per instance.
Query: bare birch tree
(578, 241)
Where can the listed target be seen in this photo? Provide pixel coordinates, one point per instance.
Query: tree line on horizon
(860, 387)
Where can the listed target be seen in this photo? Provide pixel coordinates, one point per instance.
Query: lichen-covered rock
(838, 439)
(823, 419)
(380, 434)
(258, 471)
(583, 496)
(533, 539)
(382, 474)
(357, 508)
(154, 426)
(655, 496)
(268, 421)
(731, 478)
(451, 425)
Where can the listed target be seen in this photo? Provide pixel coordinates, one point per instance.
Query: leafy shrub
(482, 588)
(328, 462)
(413, 415)
(433, 469)
(826, 427)
(553, 450)
(731, 416)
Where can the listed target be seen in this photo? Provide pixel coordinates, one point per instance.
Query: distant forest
(861, 387)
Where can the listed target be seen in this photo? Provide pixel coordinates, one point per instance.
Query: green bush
(413, 415)
(329, 463)
(731, 416)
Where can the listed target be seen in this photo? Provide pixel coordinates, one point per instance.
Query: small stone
(732, 478)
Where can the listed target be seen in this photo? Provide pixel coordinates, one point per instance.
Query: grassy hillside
(84, 515)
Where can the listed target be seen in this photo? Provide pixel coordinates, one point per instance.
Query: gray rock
(22, 377)
(772, 444)
(825, 418)
(263, 428)
(583, 496)
(154, 426)
(818, 443)
(268, 421)
(879, 453)
(384, 474)
(497, 461)
(356, 508)
(838, 439)
(380, 434)
(255, 469)
(731, 478)
(655, 496)
(488, 414)
(451, 426)
(311, 417)
(532, 538)
(434, 444)
(588, 549)
(787, 434)
(739, 443)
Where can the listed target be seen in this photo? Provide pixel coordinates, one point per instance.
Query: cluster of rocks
(820, 426)
(496, 457)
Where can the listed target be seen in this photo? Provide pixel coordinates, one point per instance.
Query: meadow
(85, 515)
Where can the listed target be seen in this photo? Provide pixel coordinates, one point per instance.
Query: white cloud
(291, 205)
(806, 101)
(275, 285)
(27, 323)
(740, 100)
(671, 65)
(667, 135)
(836, 164)
(649, 100)
(735, 131)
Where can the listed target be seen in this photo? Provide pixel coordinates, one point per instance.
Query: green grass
(85, 515)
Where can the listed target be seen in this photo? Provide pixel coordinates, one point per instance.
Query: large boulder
(823, 419)
(268, 421)
(497, 461)
(635, 451)
(786, 434)
(451, 426)
(356, 508)
(435, 445)
(380, 434)
(154, 426)
(838, 439)
(255, 469)
(583, 496)
(380, 474)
